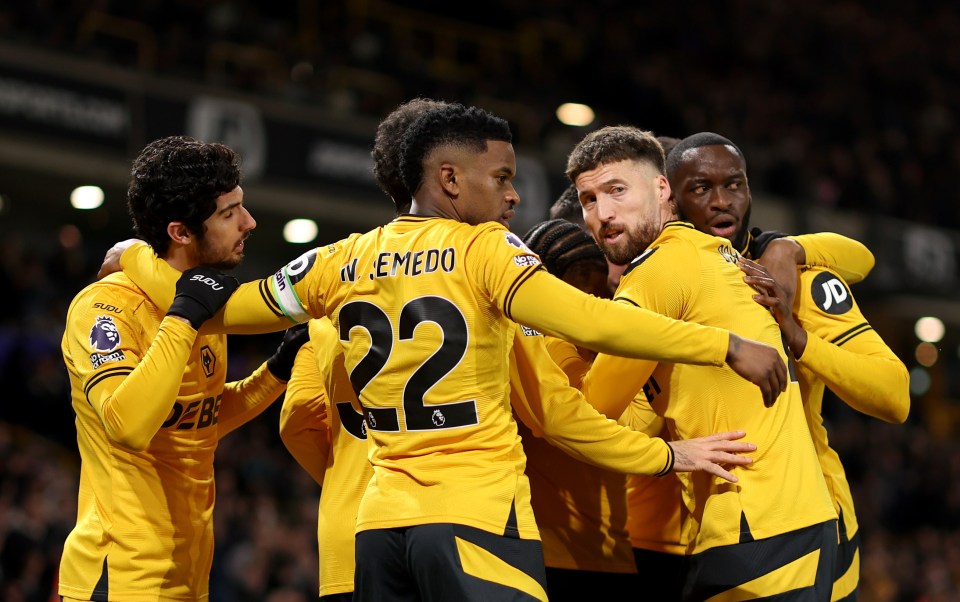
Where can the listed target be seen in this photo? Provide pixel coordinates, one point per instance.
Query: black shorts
(571, 585)
(444, 561)
(800, 562)
(662, 574)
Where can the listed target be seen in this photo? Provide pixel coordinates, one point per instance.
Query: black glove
(280, 364)
(201, 292)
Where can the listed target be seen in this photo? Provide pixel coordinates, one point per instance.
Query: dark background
(846, 112)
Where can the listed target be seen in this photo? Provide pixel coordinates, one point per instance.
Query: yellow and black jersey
(580, 508)
(844, 353)
(654, 504)
(322, 425)
(151, 405)
(423, 309)
(693, 276)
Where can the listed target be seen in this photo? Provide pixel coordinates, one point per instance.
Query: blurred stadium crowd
(826, 96)
(846, 104)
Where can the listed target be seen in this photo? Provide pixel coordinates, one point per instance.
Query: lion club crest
(104, 335)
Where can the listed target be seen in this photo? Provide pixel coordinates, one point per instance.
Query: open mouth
(724, 228)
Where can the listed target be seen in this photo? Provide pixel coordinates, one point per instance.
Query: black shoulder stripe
(508, 302)
(268, 299)
(102, 376)
(856, 330)
(630, 301)
(639, 260)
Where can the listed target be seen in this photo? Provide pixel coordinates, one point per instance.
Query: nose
(248, 223)
(604, 207)
(720, 199)
(513, 197)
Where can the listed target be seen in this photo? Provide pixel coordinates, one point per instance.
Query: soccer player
(831, 342)
(149, 392)
(580, 509)
(423, 308)
(321, 422)
(773, 531)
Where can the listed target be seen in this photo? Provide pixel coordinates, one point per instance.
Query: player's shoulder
(114, 294)
(821, 290)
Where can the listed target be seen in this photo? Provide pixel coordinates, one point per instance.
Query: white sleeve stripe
(287, 297)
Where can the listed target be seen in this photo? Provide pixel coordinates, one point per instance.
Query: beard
(631, 244)
(216, 257)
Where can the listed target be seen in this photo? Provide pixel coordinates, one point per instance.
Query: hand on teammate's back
(201, 292)
(760, 364)
(708, 453)
(280, 363)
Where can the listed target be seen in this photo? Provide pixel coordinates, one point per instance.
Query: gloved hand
(201, 292)
(280, 363)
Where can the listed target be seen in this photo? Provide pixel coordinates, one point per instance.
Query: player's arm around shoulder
(252, 308)
(846, 352)
(846, 256)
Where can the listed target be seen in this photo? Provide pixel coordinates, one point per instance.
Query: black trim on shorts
(745, 562)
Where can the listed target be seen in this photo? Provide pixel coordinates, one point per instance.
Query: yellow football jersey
(693, 276)
(147, 428)
(329, 439)
(423, 310)
(580, 508)
(846, 354)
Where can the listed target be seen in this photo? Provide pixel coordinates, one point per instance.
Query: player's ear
(179, 233)
(450, 179)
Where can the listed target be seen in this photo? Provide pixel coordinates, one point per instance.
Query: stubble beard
(631, 245)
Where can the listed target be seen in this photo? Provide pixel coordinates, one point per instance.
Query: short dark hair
(563, 245)
(667, 142)
(568, 207)
(178, 179)
(696, 141)
(612, 144)
(452, 124)
(386, 149)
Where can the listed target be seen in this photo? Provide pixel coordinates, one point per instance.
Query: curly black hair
(612, 144)
(386, 149)
(563, 245)
(452, 124)
(178, 178)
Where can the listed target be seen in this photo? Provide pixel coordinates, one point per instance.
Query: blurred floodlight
(926, 354)
(300, 230)
(929, 329)
(919, 381)
(86, 197)
(572, 113)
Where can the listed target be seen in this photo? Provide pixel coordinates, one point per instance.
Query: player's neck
(181, 257)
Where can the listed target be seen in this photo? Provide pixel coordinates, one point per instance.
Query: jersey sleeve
(513, 278)
(849, 258)
(304, 417)
(253, 308)
(244, 400)
(131, 383)
(566, 355)
(846, 353)
(545, 402)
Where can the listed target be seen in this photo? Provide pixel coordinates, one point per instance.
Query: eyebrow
(229, 207)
